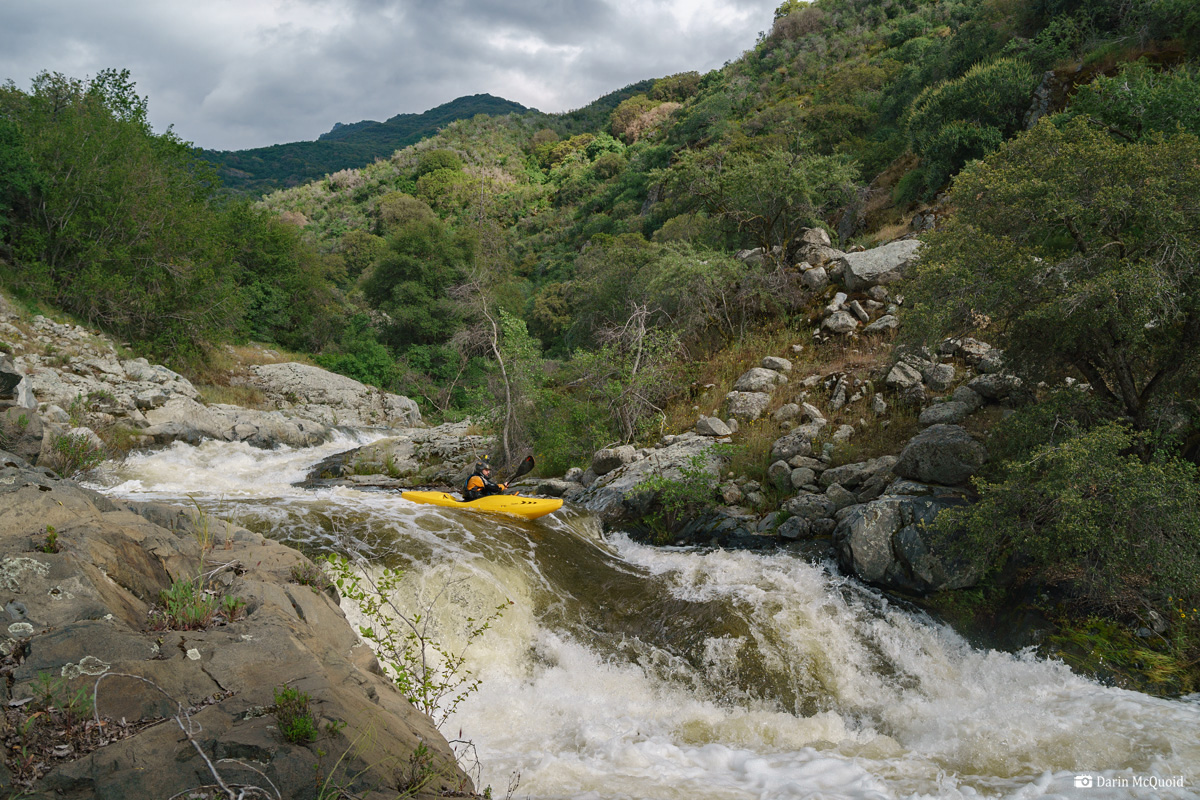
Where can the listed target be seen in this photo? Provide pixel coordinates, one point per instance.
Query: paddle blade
(526, 467)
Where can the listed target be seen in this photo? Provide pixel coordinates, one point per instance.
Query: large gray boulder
(620, 496)
(747, 406)
(879, 265)
(798, 442)
(840, 322)
(886, 543)
(949, 413)
(332, 399)
(182, 419)
(759, 379)
(943, 454)
(854, 475)
(610, 458)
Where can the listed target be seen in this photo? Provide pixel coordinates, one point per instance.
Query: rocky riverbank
(200, 641)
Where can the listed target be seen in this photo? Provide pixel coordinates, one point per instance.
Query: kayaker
(480, 483)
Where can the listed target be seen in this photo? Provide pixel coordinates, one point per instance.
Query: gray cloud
(232, 74)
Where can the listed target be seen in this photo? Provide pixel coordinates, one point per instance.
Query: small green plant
(50, 544)
(50, 691)
(420, 771)
(77, 411)
(185, 606)
(310, 574)
(76, 454)
(433, 678)
(296, 722)
(232, 608)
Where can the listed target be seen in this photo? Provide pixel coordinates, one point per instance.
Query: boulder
(996, 386)
(840, 322)
(886, 543)
(815, 279)
(183, 419)
(879, 265)
(610, 458)
(968, 397)
(903, 376)
(797, 442)
(619, 497)
(794, 528)
(944, 454)
(949, 413)
(758, 379)
(712, 426)
(852, 475)
(747, 406)
(938, 377)
(332, 399)
(785, 412)
(84, 611)
(810, 506)
(780, 474)
(777, 364)
(888, 322)
(21, 433)
(817, 236)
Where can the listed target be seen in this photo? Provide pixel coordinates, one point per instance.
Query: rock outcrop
(85, 611)
(331, 399)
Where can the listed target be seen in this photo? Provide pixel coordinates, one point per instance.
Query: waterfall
(627, 671)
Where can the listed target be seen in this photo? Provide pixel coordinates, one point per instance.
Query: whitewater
(626, 671)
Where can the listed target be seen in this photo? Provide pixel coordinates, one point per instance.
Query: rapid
(626, 671)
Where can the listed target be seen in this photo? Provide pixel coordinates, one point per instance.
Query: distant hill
(264, 169)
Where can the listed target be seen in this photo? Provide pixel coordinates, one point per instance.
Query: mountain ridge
(345, 146)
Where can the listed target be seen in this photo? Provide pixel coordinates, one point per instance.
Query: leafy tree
(766, 198)
(285, 284)
(18, 175)
(958, 120)
(1077, 250)
(118, 230)
(411, 283)
(1139, 101)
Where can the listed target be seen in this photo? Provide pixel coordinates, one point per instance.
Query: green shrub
(957, 120)
(1120, 531)
(431, 676)
(75, 454)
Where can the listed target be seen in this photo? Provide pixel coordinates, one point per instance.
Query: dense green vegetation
(564, 278)
(120, 226)
(263, 169)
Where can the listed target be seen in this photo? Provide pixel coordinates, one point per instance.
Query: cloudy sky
(234, 74)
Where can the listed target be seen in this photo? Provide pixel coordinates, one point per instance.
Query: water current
(626, 671)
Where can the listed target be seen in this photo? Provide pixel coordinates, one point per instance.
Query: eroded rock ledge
(83, 611)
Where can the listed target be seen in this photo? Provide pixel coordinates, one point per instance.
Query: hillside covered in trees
(574, 280)
(263, 169)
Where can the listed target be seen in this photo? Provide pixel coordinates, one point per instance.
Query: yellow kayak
(515, 504)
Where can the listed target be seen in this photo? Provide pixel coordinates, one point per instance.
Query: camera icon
(1084, 782)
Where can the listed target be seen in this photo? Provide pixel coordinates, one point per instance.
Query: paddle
(526, 467)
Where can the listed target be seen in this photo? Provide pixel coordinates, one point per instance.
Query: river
(627, 671)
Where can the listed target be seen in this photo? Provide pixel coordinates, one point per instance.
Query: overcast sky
(234, 74)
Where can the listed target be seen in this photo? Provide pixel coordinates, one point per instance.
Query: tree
(768, 198)
(1076, 250)
(957, 120)
(1122, 530)
(117, 228)
(412, 279)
